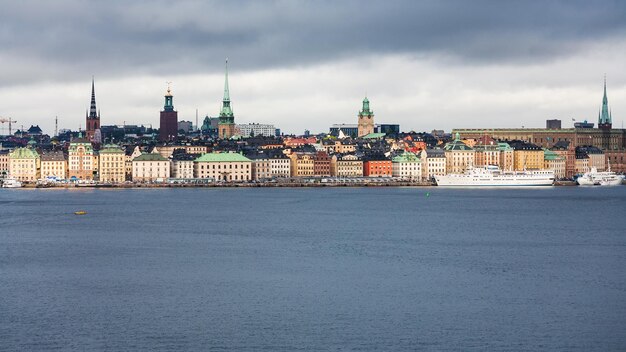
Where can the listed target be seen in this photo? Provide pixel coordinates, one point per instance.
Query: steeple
(366, 108)
(604, 117)
(92, 109)
(169, 99)
(226, 114)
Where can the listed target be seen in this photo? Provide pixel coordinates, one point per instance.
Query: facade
(345, 130)
(227, 167)
(553, 124)
(321, 164)
(80, 163)
(582, 163)
(280, 166)
(597, 158)
(348, 165)
(554, 162)
(183, 165)
(150, 167)
(112, 164)
(433, 163)
(185, 126)
(168, 127)
(486, 154)
(226, 126)
(256, 129)
(92, 119)
(526, 156)
(567, 151)
(261, 168)
(4, 163)
(507, 156)
(377, 166)
(459, 157)
(302, 164)
(24, 164)
(407, 166)
(53, 164)
(366, 119)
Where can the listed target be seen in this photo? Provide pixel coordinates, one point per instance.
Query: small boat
(11, 182)
(80, 212)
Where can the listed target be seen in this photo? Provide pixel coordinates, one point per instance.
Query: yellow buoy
(80, 212)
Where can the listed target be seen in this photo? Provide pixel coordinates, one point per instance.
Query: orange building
(377, 168)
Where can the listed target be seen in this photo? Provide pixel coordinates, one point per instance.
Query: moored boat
(491, 175)
(11, 182)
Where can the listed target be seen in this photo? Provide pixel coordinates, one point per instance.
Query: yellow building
(223, 167)
(24, 164)
(80, 162)
(506, 156)
(459, 157)
(4, 163)
(526, 156)
(346, 166)
(112, 164)
(53, 165)
(302, 164)
(554, 162)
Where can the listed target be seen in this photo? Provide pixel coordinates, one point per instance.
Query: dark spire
(92, 109)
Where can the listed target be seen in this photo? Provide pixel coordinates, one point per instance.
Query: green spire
(226, 114)
(605, 114)
(457, 136)
(366, 108)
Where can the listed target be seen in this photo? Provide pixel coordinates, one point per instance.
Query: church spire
(604, 118)
(226, 90)
(92, 109)
(226, 114)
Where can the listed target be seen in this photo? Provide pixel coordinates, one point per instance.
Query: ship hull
(451, 180)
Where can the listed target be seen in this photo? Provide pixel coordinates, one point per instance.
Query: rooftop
(222, 157)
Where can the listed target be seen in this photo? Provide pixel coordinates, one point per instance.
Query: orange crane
(7, 119)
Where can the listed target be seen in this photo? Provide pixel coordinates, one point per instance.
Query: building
(226, 126)
(407, 166)
(554, 162)
(112, 164)
(92, 123)
(185, 126)
(346, 165)
(227, 167)
(553, 124)
(53, 165)
(256, 129)
(526, 156)
(459, 157)
(183, 165)
(377, 166)
(582, 162)
(567, 151)
(261, 167)
(24, 164)
(302, 164)
(433, 163)
(280, 165)
(321, 164)
(80, 164)
(366, 119)
(507, 156)
(348, 130)
(486, 154)
(150, 167)
(168, 127)
(4, 163)
(597, 158)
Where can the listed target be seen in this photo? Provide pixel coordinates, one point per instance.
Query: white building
(433, 163)
(408, 166)
(256, 129)
(280, 166)
(150, 167)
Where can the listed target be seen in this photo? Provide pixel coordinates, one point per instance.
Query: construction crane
(7, 119)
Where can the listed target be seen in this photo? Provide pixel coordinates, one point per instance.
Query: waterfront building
(256, 129)
(526, 156)
(112, 164)
(486, 154)
(459, 157)
(131, 153)
(92, 123)
(597, 158)
(226, 126)
(377, 166)
(80, 159)
(554, 162)
(53, 165)
(168, 127)
(346, 165)
(366, 119)
(4, 163)
(280, 165)
(433, 163)
(507, 156)
(183, 165)
(261, 167)
(321, 164)
(150, 167)
(407, 166)
(582, 162)
(223, 167)
(568, 152)
(25, 164)
(302, 164)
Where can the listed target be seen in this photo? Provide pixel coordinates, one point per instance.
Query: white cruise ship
(492, 176)
(600, 178)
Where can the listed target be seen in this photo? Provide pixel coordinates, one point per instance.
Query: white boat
(11, 182)
(600, 178)
(492, 176)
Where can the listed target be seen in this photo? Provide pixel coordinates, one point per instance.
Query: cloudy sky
(308, 64)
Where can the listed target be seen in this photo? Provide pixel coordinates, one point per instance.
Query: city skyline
(423, 66)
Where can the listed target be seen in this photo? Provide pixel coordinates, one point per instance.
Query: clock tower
(366, 119)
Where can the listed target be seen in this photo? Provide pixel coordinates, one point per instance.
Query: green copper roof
(111, 149)
(222, 157)
(456, 144)
(604, 116)
(150, 157)
(24, 153)
(406, 157)
(374, 135)
(550, 155)
(366, 108)
(504, 147)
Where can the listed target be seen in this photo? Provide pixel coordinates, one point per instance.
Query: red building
(321, 164)
(168, 128)
(377, 168)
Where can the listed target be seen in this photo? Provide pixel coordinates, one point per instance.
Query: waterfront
(313, 269)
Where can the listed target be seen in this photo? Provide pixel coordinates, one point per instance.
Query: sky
(308, 64)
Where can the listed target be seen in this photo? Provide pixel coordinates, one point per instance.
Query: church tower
(604, 116)
(168, 127)
(93, 117)
(226, 125)
(366, 119)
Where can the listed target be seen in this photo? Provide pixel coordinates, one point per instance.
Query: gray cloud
(71, 40)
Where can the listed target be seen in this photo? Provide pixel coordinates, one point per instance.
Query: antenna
(197, 127)
(56, 126)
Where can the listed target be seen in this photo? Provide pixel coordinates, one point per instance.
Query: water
(313, 269)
